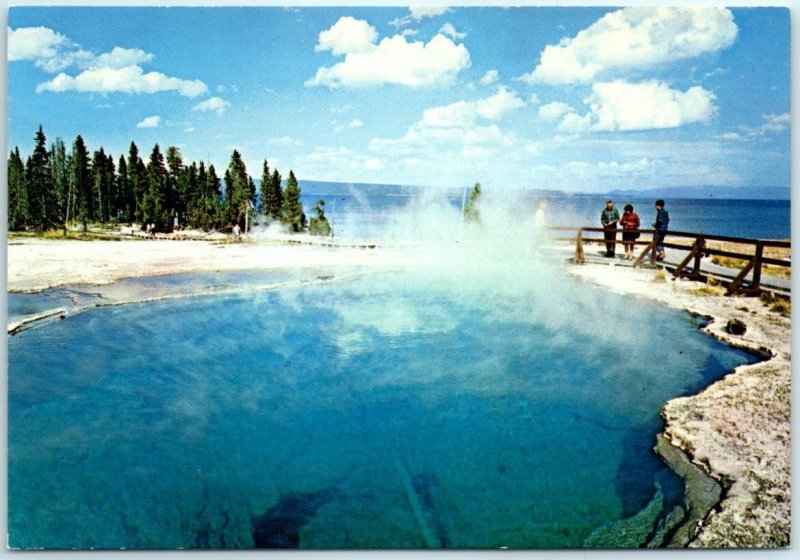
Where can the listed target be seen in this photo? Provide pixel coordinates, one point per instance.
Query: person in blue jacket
(661, 226)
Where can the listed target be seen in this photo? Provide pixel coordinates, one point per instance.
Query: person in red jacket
(630, 230)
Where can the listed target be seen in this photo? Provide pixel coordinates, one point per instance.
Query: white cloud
(455, 132)
(348, 35)
(649, 105)
(216, 104)
(48, 49)
(553, 111)
(773, 123)
(534, 99)
(776, 123)
(408, 32)
(284, 141)
(732, 136)
(466, 113)
(575, 124)
(355, 123)
(131, 79)
(121, 58)
(489, 78)
(118, 70)
(150, 122)
(338, 161)
(420, 12)
(635, 39)
(450, 31)
(34, 43)
(395, 61)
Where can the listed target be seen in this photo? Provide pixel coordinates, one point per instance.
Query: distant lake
(361, 210)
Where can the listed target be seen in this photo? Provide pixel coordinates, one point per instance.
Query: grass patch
(660, 276)
(778, 304)
(708, 291)
(784, 307)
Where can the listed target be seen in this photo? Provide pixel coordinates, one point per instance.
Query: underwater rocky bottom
(374, 412)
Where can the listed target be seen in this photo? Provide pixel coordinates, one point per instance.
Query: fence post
(579, 258)
(756, 284)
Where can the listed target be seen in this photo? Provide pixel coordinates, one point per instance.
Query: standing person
(630, 230)
(661, 226)
(609, 218)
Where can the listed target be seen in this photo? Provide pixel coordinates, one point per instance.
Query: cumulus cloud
(622, 106)
(34, 43)
(420, 12)
(355, 123)
(634, 39)
(346, 36)
(118, 70)
(466, 113)
(649, 105)
(489, 78)
(150, 122)
(120, 58)
(394, 60)
(553, 111)
(130, 79)
(216, 104)
(48, 49)
(450, 31)
(458, 130)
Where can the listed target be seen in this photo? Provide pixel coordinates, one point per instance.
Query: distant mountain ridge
(710, 191)
(705, 192)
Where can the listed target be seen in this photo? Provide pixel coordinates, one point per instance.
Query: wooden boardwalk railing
(690, 266)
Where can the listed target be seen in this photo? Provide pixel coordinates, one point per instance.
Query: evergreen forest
(59, 186)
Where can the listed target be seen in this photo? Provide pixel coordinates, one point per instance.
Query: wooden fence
(689, 267)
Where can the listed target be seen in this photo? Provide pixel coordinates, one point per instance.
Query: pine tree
(99, 210)
(154, 203)
(123, 201)
(276, 196)
(17, 193)
(292, 214)
(212, 198)
(177, 196)
(238, 190)
(60, 180)
(41, 199)
(137, 182)
(471, 209)
(81, 181)
(193, 196)
(264, 198)
(110, 210)
(319, 225)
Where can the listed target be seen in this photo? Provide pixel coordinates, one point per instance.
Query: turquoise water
(381, 411)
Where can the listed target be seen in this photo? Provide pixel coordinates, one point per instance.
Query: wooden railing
(689, 267)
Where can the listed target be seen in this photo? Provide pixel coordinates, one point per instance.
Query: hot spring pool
(377, 411)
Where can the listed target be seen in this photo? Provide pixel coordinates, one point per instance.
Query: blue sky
(576, 99)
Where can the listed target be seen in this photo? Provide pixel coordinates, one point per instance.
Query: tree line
(53, 188)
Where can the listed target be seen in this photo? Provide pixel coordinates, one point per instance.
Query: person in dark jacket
(609, 218)
(630, 229)
(661, 226)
